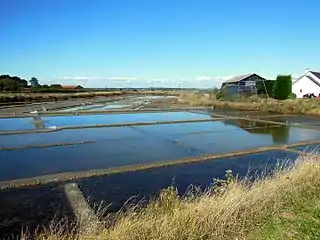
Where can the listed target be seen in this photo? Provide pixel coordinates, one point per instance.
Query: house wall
(230, 91)
(306, 85)
(251, 78)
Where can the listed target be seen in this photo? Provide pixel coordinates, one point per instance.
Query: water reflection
(279, 133)
(38, 122)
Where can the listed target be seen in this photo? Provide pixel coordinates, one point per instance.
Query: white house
(306, 84)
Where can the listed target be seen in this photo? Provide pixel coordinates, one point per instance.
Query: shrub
(220, 95)
(266, 87)
(292, 96)
(282, 87)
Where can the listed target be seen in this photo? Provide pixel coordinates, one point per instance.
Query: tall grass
(285, 205)
(255, 103)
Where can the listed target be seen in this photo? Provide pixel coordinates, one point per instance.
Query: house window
(301, 90)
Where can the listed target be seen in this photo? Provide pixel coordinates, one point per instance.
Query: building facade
(241, 85)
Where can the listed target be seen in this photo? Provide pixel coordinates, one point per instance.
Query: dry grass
(290, 106)
(283, 206)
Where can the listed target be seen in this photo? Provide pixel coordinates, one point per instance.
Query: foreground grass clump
(254, 103)
(285, 205)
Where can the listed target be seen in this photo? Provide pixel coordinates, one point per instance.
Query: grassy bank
(285, 205)
(290, 106)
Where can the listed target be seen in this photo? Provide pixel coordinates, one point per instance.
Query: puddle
(117, 189)
(31, 208)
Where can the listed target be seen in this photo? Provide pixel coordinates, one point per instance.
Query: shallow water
(308, 148)
(117, 189)
(305, 120)
(68, 136)
(123, 103)
(112, 147)
(42, 122)
(82, 108)
(113, 106)
(103, 154)
(31, 208)
(222, 136)
(15, 124)
(83, 120)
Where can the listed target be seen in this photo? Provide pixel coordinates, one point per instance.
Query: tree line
(16, 84)
(13, 83)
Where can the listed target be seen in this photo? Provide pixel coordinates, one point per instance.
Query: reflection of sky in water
(82, 120)
(16, 124)
(130, 145)
(103, 154)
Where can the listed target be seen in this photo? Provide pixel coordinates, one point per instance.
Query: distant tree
(34, 82)
(7, 84)
(282, 87)
(23, 83)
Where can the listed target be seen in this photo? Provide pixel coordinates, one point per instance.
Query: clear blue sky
(157, 42)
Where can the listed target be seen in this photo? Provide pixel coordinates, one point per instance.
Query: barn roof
(238, 78)
(317, 74)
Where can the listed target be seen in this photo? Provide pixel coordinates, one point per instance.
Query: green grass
(285, 205)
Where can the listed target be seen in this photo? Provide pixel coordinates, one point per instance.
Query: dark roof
(317, 74)
(314, 80)
(239, 78)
